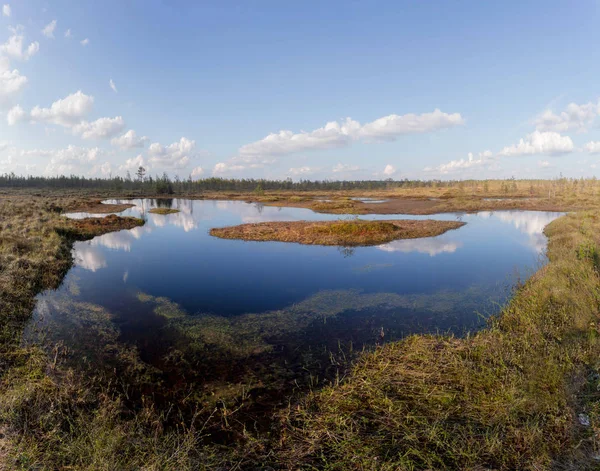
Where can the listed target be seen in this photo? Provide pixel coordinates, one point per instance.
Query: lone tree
(141, 174)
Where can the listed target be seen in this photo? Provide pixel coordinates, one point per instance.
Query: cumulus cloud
(574, 117)
(68, 160)
(389, 170)
(593, 147)
(14, 46)
(15, 164)
(113, 86)
(104, 169)
(544, 164)
(340, 167)
(197, 173)
(129, 140)
(14, 115)
(85, 42)
(6, 11)
(71, 159)
(177, 155)
(48, 30)
(68, 33)
(67, 111)
(11, 83)
(336, 134)
(103, 128)
(298, 171)
(225, 167)
(472, 161)
(551, 143)
(133, 164)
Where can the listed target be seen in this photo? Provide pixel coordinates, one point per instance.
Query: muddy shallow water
(212, 316)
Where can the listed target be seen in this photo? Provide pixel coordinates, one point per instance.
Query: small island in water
(163, 211)
(356, 232)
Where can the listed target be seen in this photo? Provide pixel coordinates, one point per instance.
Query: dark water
(188, 305)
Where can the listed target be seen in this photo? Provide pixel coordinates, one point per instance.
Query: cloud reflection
(89, 257)
(430, 246)
(530, 223)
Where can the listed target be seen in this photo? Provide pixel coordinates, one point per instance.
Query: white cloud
(104, 169)
(13, 47)
(544, 164)
(129, 140)
(335, 134)
(6, 11)
(133, 164)
(574, 117)
(301, 171)
(177, 155)
(113, 86)
(71, 159)
(67, 111)
(85, 42)
(32, 49)
(48, 30)
(103, 128)
(14, 115)
(223, 167)
(11, 83)
(593, 147)
(345, 168)
(197, 173)
(482, 159)
(392, 126)
(68, 33)
(65, 161)
(540, 143)
(389, 170)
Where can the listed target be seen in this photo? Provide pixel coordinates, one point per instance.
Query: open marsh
(204, 321)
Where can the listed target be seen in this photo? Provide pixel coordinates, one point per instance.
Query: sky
(303, 90)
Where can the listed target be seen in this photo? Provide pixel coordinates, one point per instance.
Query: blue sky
(239, 89)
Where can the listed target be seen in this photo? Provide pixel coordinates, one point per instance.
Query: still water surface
(169, 286)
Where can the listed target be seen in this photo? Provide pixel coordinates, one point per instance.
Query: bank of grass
(355, 232)
(35, 242)
(163, 211)
(505, 398)
(95, 206)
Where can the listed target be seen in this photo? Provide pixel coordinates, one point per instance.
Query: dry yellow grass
(344, 233)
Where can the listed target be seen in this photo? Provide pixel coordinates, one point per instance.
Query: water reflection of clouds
(89, 257)
(430, 246)
(530, 223)
(121, 240)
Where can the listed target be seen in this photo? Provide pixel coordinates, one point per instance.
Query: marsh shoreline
(533, 413)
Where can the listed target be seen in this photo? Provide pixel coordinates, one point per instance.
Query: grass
(505, 398)
(344, 233)
(97, 207)
(163, 211)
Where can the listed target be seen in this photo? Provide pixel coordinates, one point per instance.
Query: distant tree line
(163, 184)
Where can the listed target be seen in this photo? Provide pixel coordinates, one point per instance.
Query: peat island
(356, 232)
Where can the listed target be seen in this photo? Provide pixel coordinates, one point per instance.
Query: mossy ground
(347, 233)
